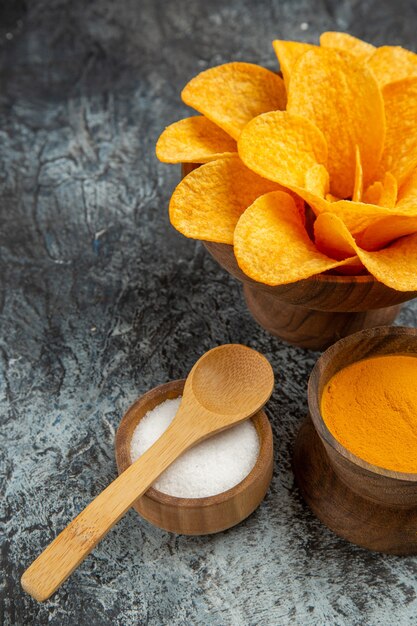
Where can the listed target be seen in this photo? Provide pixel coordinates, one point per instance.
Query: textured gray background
(101, 299)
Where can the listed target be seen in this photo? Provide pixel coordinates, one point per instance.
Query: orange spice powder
(370, 407)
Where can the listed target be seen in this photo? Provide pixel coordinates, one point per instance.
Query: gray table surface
(101, 299)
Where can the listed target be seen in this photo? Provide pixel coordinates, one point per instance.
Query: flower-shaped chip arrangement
(337, 134)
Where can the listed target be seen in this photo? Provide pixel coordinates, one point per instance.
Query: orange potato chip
(332, 245)
(392, 63)
(230, 95)
(400, 149)
(386, 230)
(272, 246)
(341, 97)
(288, 53)
(316, 180)
(329, 239)
(375, 226)
(347, 43)
(284, 148)
(382, 193)
(357, 216)
(208, 202)
(389, 191)
(194, 140)
(395, 266)
(407, 194)
(373, 193)
(358, 186)
(401, 220)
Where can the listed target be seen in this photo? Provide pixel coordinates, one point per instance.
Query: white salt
(212, 466)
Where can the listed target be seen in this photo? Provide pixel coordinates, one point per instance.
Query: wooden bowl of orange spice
(355, 460)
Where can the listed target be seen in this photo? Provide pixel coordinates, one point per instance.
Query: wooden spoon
(226, 386)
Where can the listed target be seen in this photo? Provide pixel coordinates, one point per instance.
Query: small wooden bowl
(370, 506)
(316, 312)
(196, 516)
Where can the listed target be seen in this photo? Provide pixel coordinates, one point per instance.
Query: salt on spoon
(211, 467)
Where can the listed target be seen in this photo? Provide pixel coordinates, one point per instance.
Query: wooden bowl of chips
(333, 133)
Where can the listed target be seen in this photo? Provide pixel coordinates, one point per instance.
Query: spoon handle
(77, 540)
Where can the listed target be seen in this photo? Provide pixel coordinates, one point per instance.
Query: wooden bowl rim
(260, 419)
(314, 400)
(332, 278)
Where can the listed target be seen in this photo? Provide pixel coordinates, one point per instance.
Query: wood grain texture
(369, 505)
(367, 523)
(196, 516)
(310, 328)
(226, 386)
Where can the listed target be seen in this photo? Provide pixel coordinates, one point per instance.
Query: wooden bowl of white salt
(211, 487)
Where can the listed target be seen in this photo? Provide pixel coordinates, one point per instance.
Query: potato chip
(316, 180)
(395, 266)
(374, 226)
(230, 95)
(392, 63)
(385, 230)
(329, 240)
(357, 216)
(358, 186)
(194, 140)
(209, 201)
(288, 53)
(382, 193)
(388, 196)
(330, 198)
(284, 148)
(347, 43)
(407, 194)
(401, 220)
(341, 97)
(272, 246)
(373, 193)
(400, 149)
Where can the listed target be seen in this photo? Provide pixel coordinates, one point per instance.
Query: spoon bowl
(227, 385)
(232, 380)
